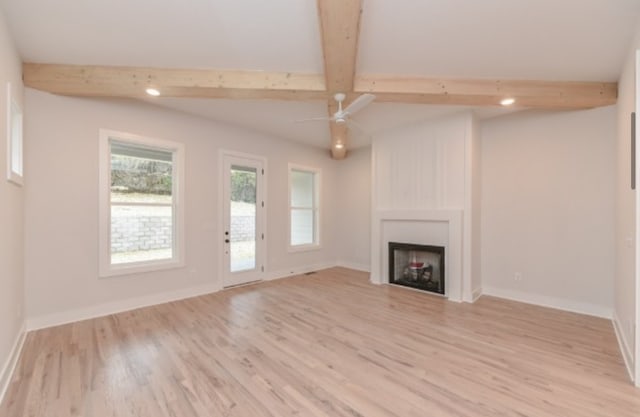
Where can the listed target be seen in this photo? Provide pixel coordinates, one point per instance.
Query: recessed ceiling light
(152, 92)
(508, 101)
(339, 145)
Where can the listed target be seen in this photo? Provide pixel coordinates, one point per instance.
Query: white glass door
(243, 222)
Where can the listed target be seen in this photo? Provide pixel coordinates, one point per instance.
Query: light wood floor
(328, 344)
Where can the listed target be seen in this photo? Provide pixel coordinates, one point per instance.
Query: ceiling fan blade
(314, 119)
(359, 103)
(357, 127)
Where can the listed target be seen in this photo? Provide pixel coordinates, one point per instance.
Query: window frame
(316, 208)
(15, 139)
(106, 268)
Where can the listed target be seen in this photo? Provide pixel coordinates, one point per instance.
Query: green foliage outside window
(243, 186)
(137, 175)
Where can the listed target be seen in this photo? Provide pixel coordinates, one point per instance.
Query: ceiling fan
(343, 116)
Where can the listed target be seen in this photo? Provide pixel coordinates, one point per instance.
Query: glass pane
(140, 175)
(302, 227)
(302, 188)
(243, 219)
(141, 233)
(16, 138)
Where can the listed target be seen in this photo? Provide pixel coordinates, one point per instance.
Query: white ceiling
(273, 35)
(281, 118)
(519, 39)
(560, 40)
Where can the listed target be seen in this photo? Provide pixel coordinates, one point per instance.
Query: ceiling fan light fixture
(338, 145)
(153, 92)
(507, 101)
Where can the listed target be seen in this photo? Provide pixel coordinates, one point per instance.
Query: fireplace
(417, 266)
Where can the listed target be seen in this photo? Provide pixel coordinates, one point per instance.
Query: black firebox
(417, 266)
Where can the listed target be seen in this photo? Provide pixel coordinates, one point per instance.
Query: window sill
(139, 267)
(15, 178)
(304, 248)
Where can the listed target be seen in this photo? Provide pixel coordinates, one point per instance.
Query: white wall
(625, 227)
(354, 185)
(548, 208)
(62, 204)
(11, 215)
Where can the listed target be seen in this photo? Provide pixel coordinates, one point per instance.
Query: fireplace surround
(441, 227)
(417, 266)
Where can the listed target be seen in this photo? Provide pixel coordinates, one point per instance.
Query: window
(141, 214)
(304, 207)
(14, 139)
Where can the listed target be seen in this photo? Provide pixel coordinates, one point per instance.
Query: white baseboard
(552, 302)
(10, 365)
(272, 275)
(106, 309)
(355, 266)
(627, 355)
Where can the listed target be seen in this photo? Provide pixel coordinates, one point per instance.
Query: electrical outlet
(517, 276)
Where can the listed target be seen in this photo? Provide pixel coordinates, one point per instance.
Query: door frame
(221, 215)
(636, 353)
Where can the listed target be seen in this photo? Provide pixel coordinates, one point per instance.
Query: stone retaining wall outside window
(132, 234)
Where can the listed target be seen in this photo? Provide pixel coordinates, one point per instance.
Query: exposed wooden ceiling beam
(104, 81)
(339, 134)
(532, 94)
(339, 30)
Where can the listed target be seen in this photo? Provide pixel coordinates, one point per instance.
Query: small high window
(14, 140)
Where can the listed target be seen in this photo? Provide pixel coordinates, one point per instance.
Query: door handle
(226, 241)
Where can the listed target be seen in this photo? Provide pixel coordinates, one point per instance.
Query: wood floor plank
(325, 345)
